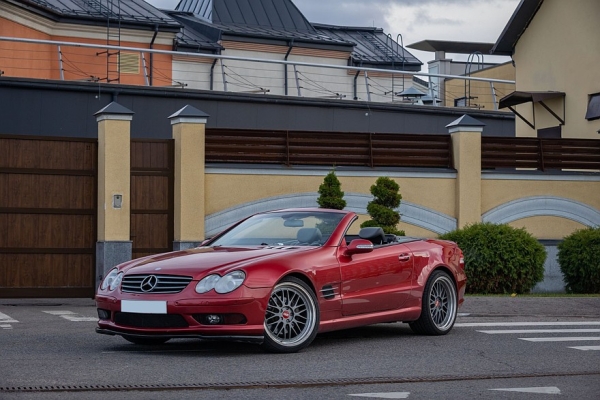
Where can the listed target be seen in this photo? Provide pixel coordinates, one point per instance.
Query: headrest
(309, 235)
(375, 234)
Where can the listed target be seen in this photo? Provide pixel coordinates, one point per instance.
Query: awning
(520, 97)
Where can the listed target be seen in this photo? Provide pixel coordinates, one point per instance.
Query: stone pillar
(188, 126)
(114, 141)
(466, 150)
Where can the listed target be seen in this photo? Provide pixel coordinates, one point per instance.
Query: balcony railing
(73, 61)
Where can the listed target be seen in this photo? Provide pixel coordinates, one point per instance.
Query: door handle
(404, 257)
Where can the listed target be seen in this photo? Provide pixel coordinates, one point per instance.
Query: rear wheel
(145, 341)
(439, 306)
(292, 317)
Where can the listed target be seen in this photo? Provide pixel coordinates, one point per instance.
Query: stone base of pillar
(109, 255)
(184, 245)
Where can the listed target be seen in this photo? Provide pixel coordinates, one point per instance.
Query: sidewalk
(519, 306)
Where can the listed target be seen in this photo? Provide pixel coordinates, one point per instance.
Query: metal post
(223, 73)
(60, 65)
(145, 69)
(494, 96)
(367, 86)
(297, 81)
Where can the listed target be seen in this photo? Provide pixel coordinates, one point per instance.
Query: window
(593, 109)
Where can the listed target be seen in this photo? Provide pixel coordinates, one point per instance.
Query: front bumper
(242, 315)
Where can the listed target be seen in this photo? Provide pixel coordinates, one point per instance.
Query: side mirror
(359, 246)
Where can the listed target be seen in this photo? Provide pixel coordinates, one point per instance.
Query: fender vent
(328, 292)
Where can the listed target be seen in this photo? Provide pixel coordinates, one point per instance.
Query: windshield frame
(248, 232)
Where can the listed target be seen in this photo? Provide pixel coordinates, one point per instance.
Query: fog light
(212, 319)
(103, 314)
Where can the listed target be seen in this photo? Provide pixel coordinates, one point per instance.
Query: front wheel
(292, 317)
(439, 306)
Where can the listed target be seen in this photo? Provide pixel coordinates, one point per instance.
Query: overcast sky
(415, 20)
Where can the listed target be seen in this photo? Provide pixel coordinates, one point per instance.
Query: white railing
(63, 60)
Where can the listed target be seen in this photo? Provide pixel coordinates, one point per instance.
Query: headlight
(207, 283)
(230, 282)
(225, 284)
(112, 280)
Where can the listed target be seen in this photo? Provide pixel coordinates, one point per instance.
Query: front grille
(150, 320)
(162, 283)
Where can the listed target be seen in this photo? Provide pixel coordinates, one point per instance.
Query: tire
(438, 307)
(145, 341)
(292, 317)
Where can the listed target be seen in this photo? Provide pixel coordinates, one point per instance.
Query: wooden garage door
(47, 216)
(152, 177)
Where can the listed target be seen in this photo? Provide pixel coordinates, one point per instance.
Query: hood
(200, 261)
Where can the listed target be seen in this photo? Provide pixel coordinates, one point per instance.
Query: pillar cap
(189, 114)
(114, 111)
(466, 123)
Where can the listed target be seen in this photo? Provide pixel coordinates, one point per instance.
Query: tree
(383, 207)
(331, 195)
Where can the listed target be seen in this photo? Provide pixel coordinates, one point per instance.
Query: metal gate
(152, 191)
(48, 203)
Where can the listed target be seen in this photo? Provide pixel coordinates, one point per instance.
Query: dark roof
(517, 24)
(128, 12)
(452, 47)
(269, 19)
(196, 35)
(372, 46)
(520, 97)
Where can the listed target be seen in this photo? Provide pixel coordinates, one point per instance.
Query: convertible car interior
(376, 236)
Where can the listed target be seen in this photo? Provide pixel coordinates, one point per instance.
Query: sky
(415, 20)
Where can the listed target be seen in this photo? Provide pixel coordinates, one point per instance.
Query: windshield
(282, 229)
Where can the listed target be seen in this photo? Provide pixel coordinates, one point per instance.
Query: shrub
(579, 260)
(330, 193)
(499, 259)
(382, 208)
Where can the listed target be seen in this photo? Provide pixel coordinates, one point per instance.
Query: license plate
(144, 307)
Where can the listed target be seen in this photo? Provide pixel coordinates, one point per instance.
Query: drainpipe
(212, 73)
(152, 53)
(285, 70)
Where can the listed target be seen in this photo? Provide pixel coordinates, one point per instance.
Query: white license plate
(144, 307)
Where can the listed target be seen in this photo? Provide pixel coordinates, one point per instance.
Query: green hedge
(499, 259)
(579, 259)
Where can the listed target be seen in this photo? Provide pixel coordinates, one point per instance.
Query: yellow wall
(455, 88)
(497, 192)
(559, 52)
(552, 228)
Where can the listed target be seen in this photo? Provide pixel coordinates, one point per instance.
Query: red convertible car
(279, 278)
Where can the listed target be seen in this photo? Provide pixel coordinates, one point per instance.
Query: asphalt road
(501, 348)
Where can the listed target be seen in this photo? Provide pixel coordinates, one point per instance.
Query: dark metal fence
(541, 154)
(328, 148)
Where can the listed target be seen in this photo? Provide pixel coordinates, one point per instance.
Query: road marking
(561, 339)
(542, 390)
(4, 319)
(558, 323)
(585, 347)
(500, 331)
(71, 316)
(463, 314)
(6, 326)
(388, 395)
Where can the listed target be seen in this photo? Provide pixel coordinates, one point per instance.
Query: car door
(377, 281)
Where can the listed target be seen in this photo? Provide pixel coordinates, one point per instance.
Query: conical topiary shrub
(383, 207)
(330, 193)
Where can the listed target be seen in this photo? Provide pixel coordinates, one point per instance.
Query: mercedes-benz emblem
(149, 283)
